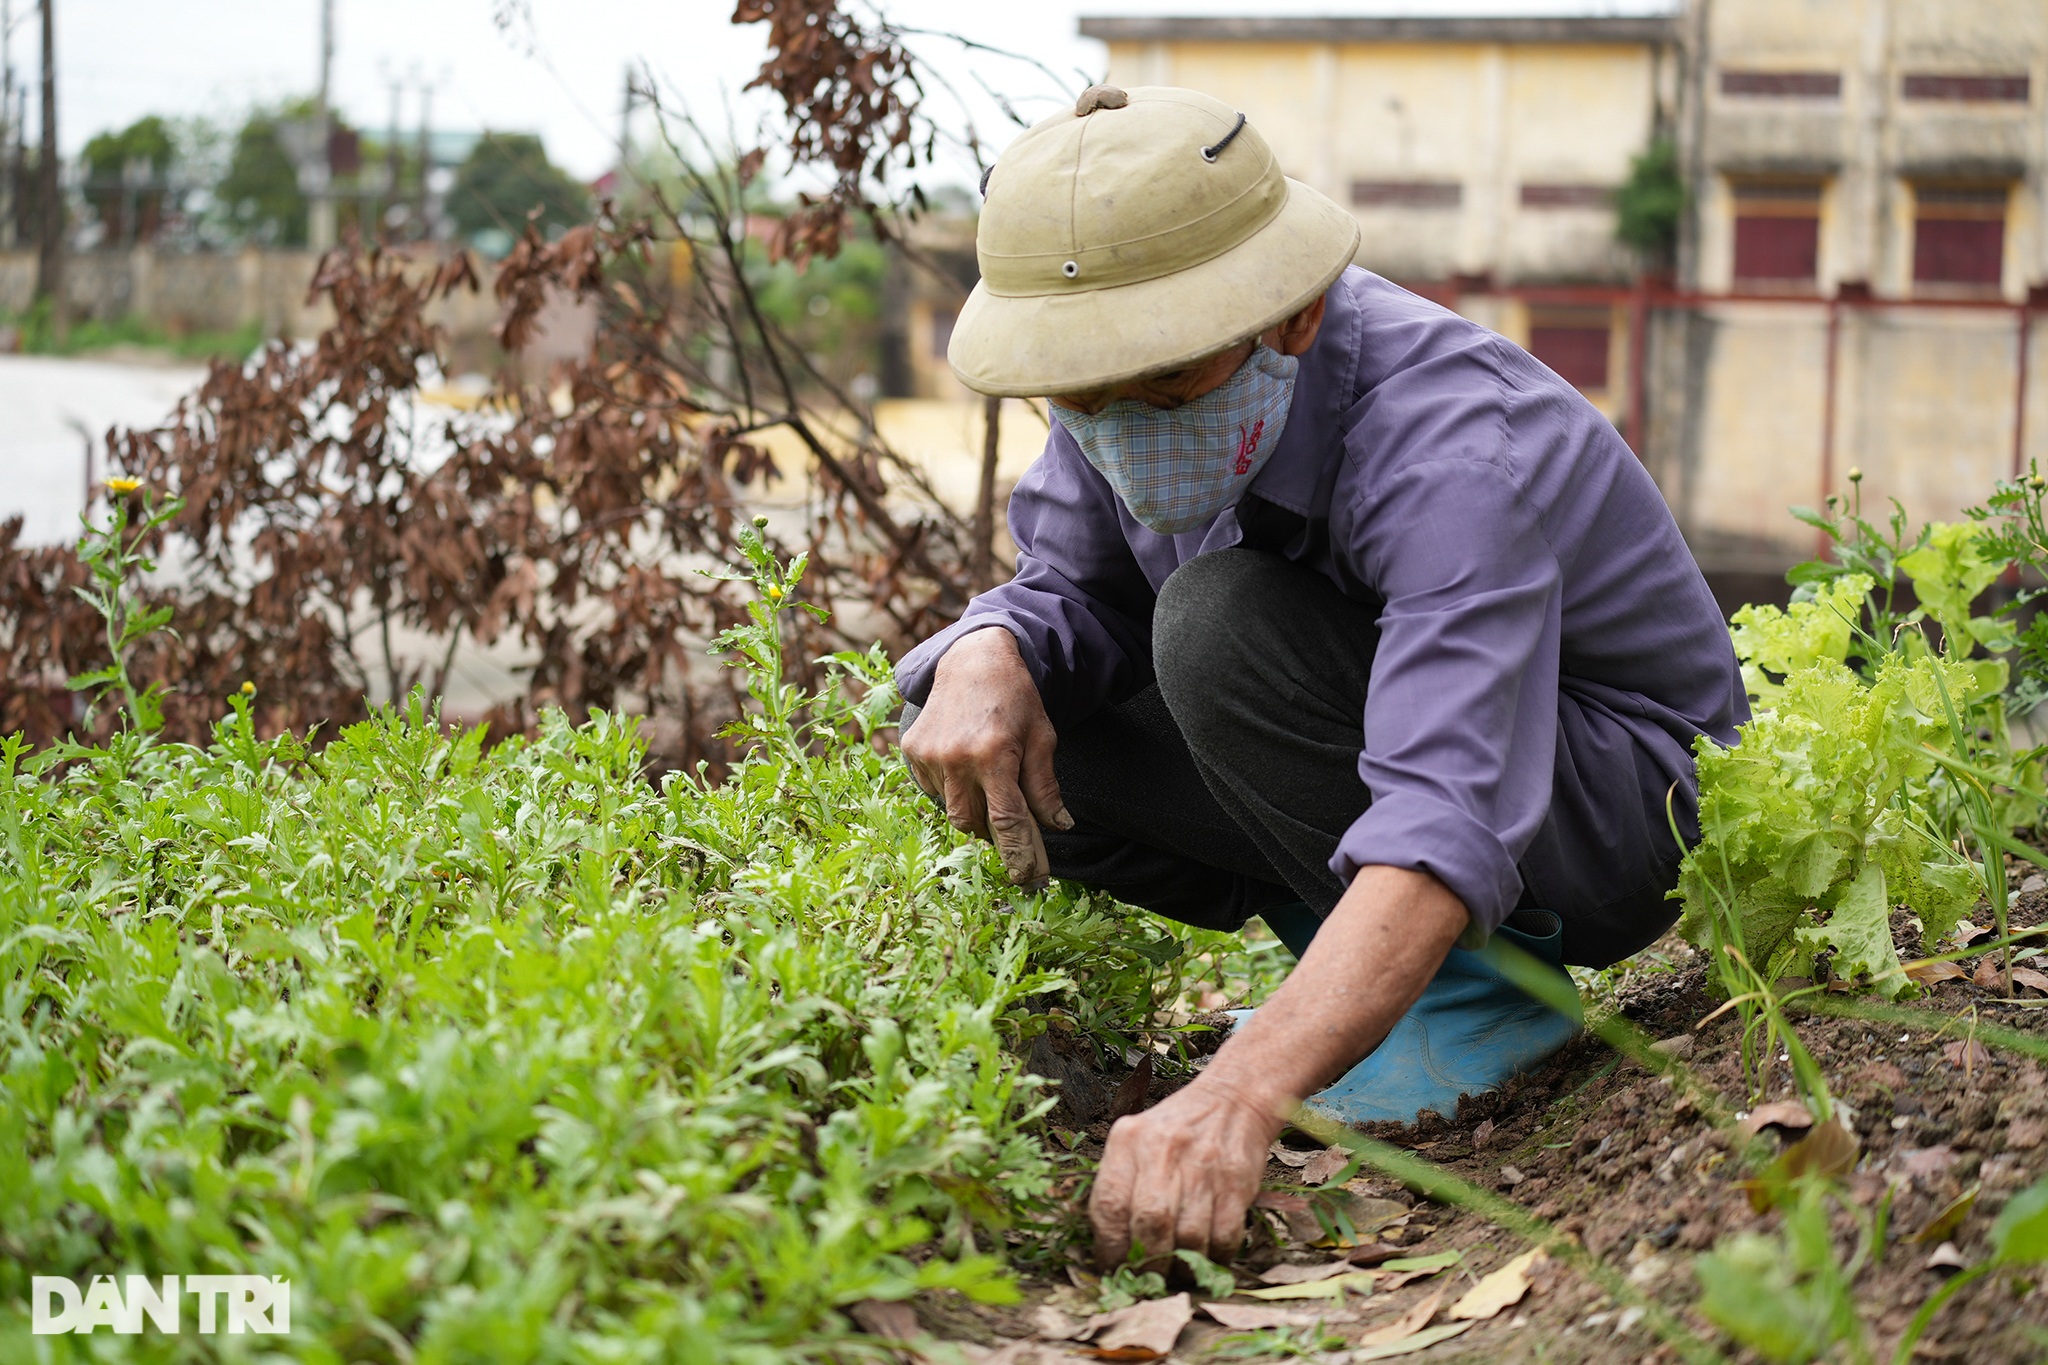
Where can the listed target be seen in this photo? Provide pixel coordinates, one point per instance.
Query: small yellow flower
(123, 485)
(248, 689)
(774, 592)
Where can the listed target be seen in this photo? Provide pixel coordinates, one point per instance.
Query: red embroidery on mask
(1247, 442)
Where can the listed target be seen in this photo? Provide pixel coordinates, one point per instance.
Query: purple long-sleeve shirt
(1521, 556)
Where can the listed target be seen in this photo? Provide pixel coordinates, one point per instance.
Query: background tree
(505, 177)
(130, 206)
(1648, 205)
(261, 189)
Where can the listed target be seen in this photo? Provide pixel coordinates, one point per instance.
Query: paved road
(46, 407)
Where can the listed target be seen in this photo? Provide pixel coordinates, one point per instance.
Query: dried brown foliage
(851, 94)
(572, 516)
(330, 527)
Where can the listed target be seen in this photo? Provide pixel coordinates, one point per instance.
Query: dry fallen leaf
(1789, 1114)
(1293, 1209)
(1289, 1157)
(1305, 1274)
(1934, 973)
(1408, 1324)
(1988, 975)
(1421, 1341)
(1252, 1317)
(1829, 1149)
(1370, 1215)
(1053, 1325)
(1141, 1332)
(1372, 1253)
(1332, 1287)
(1503, 1288)
(1967, 1053)
(890, 1318)
(1022, 1352)
(1946, 1260)
(1367, 1216)
(2031, 979)
(1943, 1224)
(1135, 1093)
(1483, 1133)
(1325, 1164)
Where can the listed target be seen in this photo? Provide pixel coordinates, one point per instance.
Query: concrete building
(1480, 155)
(1868, 180)
(1864, 234)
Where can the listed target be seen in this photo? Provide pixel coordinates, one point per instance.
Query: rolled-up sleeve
(1461, 715)
(1079, 606)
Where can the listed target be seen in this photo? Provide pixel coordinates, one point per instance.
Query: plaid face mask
(1176, 468)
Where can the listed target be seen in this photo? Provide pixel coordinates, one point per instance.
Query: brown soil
(1615, 1155)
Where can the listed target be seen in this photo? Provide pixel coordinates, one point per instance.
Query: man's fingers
(966, 806)
(1014, 831)
(927, 782)
(1197, 1215)
(1155, 1206)
(1109, 1206)
(1041, 787)
(1226, 1229)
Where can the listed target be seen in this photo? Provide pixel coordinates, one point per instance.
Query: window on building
(1959, 235)
(1566, 195)
(1937, 85)
(1574, 342)
(1811, 85)
(1407, 194)
(1777, 233)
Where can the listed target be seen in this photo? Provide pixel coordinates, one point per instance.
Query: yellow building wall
(1485, 116)
(1760, 434)
(1928, 404)
(1925, 407)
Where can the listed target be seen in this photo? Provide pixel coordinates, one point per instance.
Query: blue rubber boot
(1469, 1032)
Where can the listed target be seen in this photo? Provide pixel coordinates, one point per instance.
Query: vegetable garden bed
(506, 1054)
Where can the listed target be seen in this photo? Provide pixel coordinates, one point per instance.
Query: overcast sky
(560, 75)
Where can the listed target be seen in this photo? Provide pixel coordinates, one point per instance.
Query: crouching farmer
(1332, 608)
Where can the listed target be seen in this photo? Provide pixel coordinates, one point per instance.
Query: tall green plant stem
(112, 556)
(1906, 1016)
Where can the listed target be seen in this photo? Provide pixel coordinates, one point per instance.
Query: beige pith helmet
(1138, 232)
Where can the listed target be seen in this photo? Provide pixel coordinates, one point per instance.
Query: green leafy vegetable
(1783, 1295)
(1807, 835)
(509, 1054)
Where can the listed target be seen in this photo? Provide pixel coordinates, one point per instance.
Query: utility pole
(50, 191)
(392, 161)
(320, 219)
(426, 160)
(10, 169)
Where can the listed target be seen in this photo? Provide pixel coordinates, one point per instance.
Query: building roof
(1381, 29)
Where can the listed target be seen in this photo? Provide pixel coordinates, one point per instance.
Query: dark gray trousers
(1223, 789)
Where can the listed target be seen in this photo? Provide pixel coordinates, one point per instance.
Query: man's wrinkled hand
(983, 745)
(1181, 1175)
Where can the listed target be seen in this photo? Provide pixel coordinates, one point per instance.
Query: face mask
(1176, 468)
